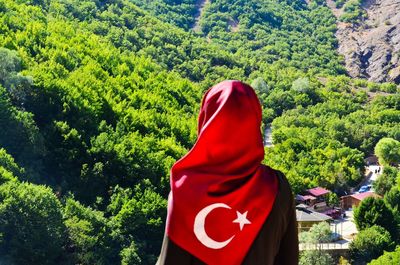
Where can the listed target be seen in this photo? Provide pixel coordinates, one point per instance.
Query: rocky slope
(371, 48)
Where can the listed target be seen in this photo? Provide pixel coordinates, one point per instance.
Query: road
(268, 136)
(345, 226)
(374, 175)
(370, 175)
(201, 5)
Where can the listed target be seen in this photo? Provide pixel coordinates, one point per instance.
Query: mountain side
(98, 99)
(265, 33)
(371, 43)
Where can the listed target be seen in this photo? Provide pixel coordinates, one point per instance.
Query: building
(371, 160)
(349, 201)
(305, 199)
(306, 218)
(319, 193)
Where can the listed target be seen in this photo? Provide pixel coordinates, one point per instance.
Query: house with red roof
(349, 201)
(318, 192)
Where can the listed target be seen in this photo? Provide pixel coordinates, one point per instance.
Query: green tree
(301, 85)
(343, 261)
(20, 137)
(130, 256)
(315, 257)
(332, 199)
(260, 86)
(386, 180)
(318, 233)
(9, 170)
(373, 211)
(388, 151)
(91, 238)
(370, 243)
(392, 199)
(141, 220)
(352, 11)
(10, 78)
(387, 258)
(31, 224)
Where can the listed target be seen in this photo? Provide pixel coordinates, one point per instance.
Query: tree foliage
(318, 233)
(315, 257)
(370, 243)
(387, 258)
(98, 99)
(332, 199)
(386, 180)
(31, 224)
(392, 199)
(353, 11)
(373, 211)
(388, 151)
(91, 238)
(11, 78)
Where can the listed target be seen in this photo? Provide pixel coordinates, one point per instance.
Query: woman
(225, 207)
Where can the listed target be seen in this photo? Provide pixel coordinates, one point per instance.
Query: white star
(241, 219)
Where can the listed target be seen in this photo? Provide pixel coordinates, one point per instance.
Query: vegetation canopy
(99, 98)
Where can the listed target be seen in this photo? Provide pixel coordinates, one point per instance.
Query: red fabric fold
(221, 194)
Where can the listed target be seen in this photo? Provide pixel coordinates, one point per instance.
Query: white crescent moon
(200, 231)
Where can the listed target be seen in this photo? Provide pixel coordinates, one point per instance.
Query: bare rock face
(372, 48)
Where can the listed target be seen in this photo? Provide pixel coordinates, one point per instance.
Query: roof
(362, 196)
(301, 206)
(371, 159)
(306, 215)
(304, 197)
(318, 191)
(308, 197)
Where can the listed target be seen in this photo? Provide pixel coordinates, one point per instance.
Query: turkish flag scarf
(221, 194)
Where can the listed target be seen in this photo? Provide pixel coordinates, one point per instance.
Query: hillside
(266, 32)
(98, 99)
(370, 42)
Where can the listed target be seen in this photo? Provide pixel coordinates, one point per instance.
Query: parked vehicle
(364, 188)
(335, 213)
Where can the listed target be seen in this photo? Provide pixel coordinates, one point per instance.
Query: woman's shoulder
(282, 178)
(284, 199)
(283, 183)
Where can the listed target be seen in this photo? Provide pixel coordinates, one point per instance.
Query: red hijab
(221, 194)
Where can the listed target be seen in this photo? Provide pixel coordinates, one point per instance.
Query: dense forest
(98, 99)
